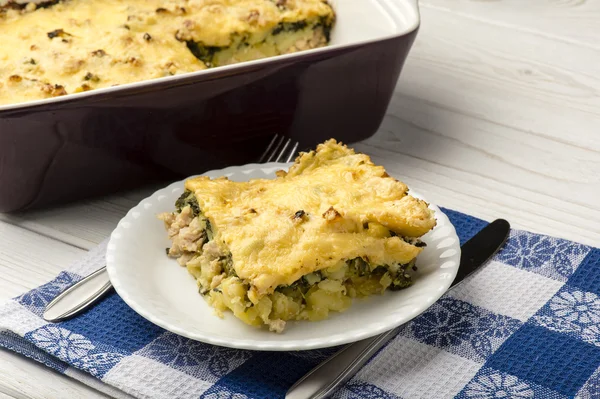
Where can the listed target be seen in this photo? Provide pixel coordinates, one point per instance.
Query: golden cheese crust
(72, 46)
(332, 206)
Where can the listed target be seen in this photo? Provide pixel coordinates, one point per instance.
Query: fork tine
(266, 155)
(279, 149)
(282, 152)
(276, 149)
(292, 153)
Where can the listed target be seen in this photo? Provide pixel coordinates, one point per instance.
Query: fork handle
(321, 381)
(78, 297)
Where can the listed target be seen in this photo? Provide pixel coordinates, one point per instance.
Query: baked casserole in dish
(71, 46)
(99, 138)
(334, 227)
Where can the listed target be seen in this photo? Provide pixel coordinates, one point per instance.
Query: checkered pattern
(527, 325)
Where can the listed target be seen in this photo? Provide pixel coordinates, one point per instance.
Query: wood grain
(569, 21)
(84, 224)
(28, 260)
(25, 379)
(512, 78)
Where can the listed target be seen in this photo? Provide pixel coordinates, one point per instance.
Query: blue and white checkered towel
(525, 326)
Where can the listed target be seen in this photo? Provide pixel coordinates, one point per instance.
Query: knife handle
(321, 381)
(333, 372)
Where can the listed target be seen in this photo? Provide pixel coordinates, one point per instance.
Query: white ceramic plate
(163, 292)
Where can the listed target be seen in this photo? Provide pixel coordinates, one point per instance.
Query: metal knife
(324, 379)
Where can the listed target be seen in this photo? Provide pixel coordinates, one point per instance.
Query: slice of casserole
(69, 46)
(296, 247)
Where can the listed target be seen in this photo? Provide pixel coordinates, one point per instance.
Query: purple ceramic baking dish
(93, 143)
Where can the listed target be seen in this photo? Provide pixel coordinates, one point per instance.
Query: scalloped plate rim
(136, 302)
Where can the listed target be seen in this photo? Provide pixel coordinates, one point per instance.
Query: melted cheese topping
(79, 45)
(333, 205)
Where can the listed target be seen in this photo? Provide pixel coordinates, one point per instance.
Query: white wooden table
(497, 114)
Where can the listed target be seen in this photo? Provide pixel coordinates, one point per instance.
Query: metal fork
(279, 150)
(84, 294)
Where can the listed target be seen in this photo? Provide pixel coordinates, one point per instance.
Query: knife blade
(324, 379)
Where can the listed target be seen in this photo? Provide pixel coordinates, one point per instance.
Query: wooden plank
(22, 378)
(570, 21)
(538, 178)
(83, 224)
(6, 396)
(512, 78)
(28, 260)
